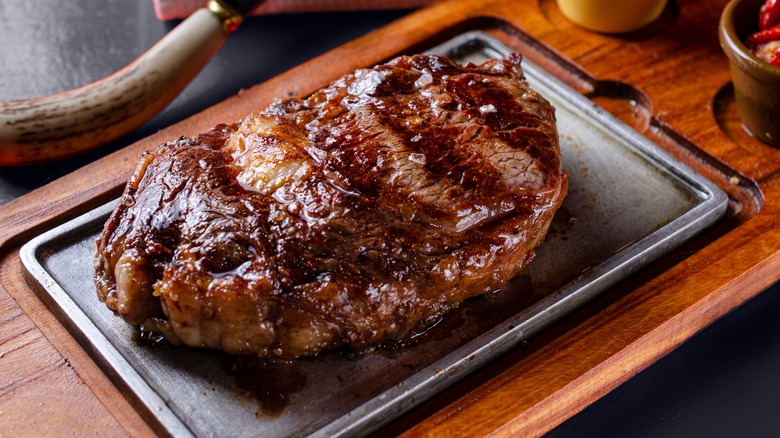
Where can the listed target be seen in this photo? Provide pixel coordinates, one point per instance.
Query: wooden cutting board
(670, 81)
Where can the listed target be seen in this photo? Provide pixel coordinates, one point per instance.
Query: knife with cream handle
(43, 129)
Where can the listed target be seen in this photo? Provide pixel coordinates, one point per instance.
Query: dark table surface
(725, 381)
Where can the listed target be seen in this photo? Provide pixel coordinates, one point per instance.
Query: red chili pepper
(769, 16)
(763, 36)
(776, 58)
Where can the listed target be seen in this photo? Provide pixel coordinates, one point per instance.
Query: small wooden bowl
(612, 16)
(756, 82)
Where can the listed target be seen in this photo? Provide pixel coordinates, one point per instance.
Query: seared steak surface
(355, 216)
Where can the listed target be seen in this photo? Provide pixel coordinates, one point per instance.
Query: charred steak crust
(354, 216)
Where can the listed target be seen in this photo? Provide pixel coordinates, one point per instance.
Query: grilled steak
(358, 215)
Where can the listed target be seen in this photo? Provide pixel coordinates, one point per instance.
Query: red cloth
(172, 9)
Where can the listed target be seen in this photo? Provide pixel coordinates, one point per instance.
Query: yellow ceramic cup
(612, 16)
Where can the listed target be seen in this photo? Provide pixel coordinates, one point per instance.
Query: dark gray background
(723, 382)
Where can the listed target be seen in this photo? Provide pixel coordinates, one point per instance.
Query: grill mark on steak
(348, 218)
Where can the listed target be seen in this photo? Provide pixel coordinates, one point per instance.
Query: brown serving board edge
(528, 391)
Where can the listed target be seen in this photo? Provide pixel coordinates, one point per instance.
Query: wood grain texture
(41, 392)
(670, 81)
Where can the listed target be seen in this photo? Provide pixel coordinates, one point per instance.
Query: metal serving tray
(629, 202)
